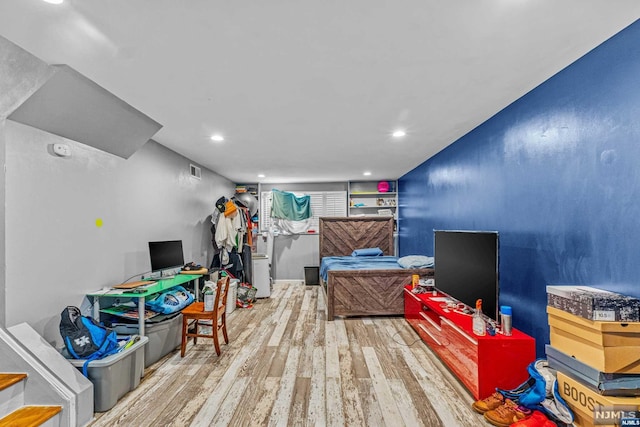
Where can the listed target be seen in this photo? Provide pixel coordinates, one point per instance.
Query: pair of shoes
(536, 419)
(488, 403)
(506, 414)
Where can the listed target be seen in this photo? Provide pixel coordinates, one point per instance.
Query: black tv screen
(466, 267)
(166, 254)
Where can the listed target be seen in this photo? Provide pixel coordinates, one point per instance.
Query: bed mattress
(357, 263)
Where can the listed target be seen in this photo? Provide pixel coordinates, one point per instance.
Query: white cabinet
(261, 276)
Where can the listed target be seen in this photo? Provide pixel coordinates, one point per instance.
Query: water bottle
(478, 324)
(505, 316)
(209, 296)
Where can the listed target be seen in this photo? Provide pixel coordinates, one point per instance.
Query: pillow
(416, 261)
(367, 252)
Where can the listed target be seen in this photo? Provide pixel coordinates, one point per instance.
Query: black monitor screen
(166, 254)
(466, 267)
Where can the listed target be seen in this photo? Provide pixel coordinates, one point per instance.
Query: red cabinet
(481, 363)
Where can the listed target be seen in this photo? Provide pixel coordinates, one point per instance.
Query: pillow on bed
(367, 252)
(416, 261)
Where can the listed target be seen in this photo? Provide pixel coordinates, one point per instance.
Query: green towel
(287, 205)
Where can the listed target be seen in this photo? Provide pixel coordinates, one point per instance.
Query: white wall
(2, 228)
(20, 75)
(292, 253)
(55, 250)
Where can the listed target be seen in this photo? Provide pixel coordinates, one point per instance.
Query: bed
(366, 292)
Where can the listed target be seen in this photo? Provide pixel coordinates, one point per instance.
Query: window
(323, 203)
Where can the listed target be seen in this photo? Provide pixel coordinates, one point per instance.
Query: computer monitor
(166, 254)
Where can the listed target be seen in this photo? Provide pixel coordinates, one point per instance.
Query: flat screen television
(466, 267)
(167, 254)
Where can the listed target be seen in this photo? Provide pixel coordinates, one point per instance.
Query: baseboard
(282, 281)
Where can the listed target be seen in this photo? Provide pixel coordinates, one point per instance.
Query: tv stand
(481, 363)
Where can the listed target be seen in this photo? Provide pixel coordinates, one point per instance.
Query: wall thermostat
(62, 150)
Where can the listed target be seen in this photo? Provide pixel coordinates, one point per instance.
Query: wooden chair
(216, 319)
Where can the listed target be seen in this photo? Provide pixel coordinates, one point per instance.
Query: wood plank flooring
(285, 365)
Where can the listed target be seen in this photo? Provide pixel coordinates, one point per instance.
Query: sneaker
(488, 403)
(505, 414)
(536, 419)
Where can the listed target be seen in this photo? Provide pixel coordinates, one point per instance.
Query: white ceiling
(310, 91)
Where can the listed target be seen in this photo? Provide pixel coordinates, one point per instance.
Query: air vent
(195, 171)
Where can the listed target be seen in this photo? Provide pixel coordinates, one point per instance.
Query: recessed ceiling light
(217, 138)
(54, 1)
(261, 175)
(398, 133)
(366, 173)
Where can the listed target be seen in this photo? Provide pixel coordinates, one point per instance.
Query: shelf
(158, 286)
(371, 193)
(366, 196)
(128, 312)
(371, 207)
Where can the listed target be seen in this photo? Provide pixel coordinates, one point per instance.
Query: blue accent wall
(557, 174)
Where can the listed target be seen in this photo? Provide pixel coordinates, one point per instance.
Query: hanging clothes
(229, 234)
(214, 222)
(247, 264)
(248, 225)
(233, 264)
(288, 227)
(287, 205)
(231, 228)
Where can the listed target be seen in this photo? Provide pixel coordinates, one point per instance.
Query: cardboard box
(594, 304)
(612, 347)
(605, 384)
(590, 408)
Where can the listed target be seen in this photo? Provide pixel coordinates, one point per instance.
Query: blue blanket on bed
(357, 263)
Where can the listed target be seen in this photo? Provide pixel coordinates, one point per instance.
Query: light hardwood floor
(285, 365)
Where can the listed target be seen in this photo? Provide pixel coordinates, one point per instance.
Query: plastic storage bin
(115, 375)
(164, 336)
(232, 296)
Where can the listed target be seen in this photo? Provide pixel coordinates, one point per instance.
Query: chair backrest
(220, 304)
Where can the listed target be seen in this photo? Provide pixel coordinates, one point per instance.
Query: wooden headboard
(339, 236)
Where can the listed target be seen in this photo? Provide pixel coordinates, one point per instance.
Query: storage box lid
(568, 291)
(110, 360)
(591, 295)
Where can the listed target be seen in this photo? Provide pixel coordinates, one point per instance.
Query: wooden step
(7, 380)
(30, 416)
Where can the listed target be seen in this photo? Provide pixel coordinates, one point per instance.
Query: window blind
(323, 203)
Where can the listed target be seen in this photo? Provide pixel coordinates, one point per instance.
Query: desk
(159, 286)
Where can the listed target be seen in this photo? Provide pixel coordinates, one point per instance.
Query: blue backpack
(84, 338)
(540, 392)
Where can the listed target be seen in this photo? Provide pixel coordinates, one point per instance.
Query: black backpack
(84, 338)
